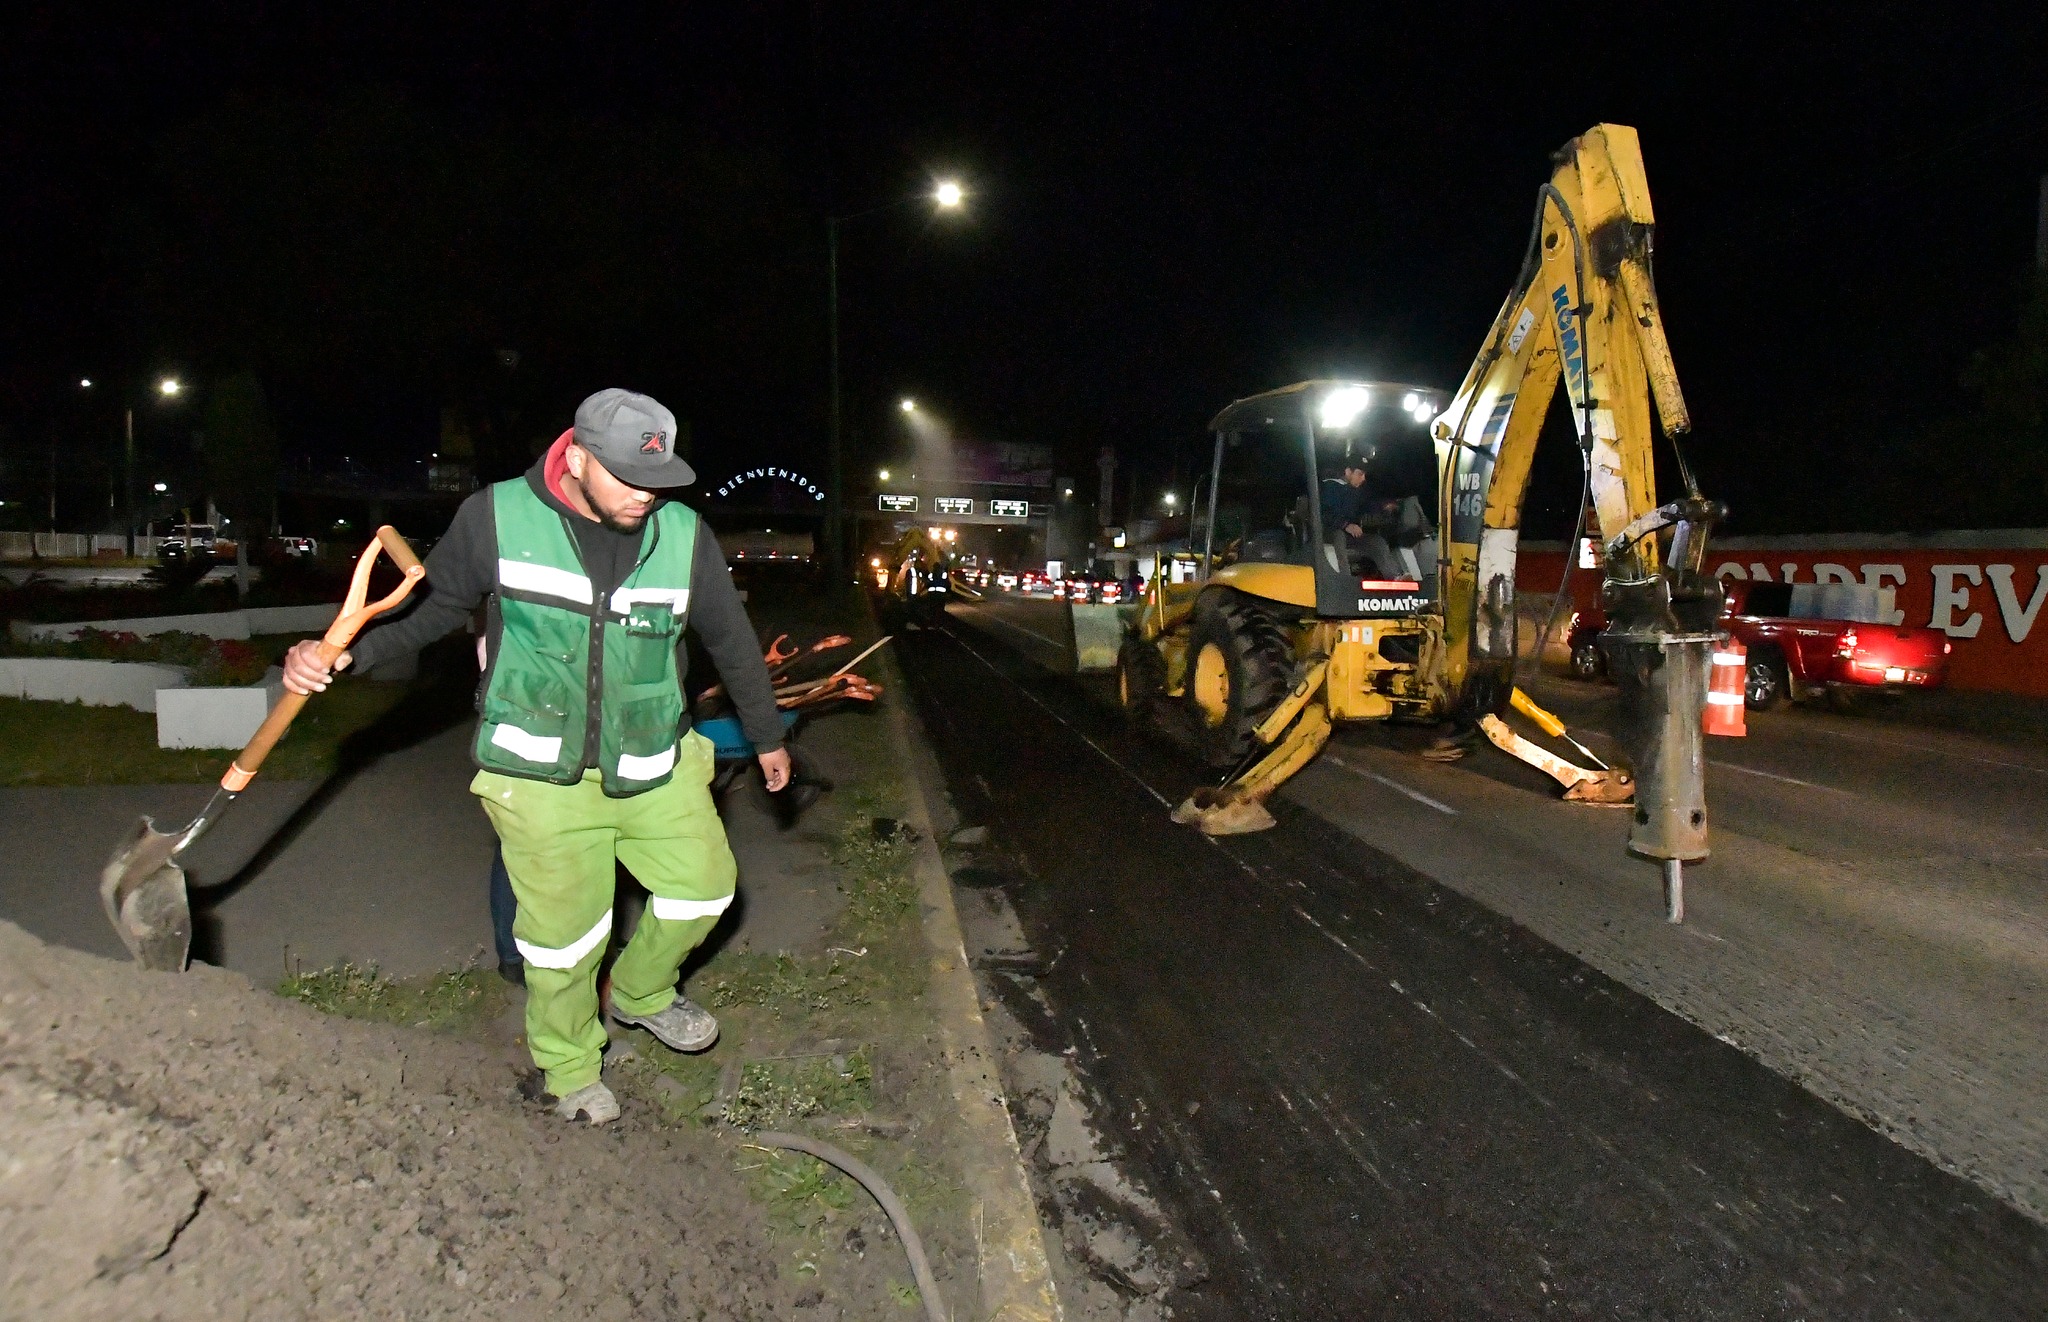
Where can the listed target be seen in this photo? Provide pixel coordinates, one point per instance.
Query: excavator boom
(1584, 311)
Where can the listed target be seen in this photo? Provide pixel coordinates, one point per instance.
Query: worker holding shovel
(585, 749)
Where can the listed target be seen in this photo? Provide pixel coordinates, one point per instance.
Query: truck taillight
(1847, 644)
(1946, 648)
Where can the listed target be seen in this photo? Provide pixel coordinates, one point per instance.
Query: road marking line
(1345, 1140)
(1394, 785)
(1033, 699)
(1772, 775)
(1309, 918)
(1939, 752)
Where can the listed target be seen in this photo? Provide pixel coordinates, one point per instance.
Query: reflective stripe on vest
(676, 599)
(569, 956)
(544, 581)
(546, 750)
(651, 767)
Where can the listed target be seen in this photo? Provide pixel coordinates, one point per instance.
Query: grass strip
(69, 743)
(453, 998)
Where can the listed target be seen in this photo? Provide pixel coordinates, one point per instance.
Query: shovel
(142, 885)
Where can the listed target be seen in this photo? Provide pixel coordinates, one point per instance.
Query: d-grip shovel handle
(348, 622)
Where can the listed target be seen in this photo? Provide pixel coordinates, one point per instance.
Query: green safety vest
(539, 685)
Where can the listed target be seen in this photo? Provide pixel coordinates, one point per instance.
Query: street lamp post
(947, 195)
(169, 387)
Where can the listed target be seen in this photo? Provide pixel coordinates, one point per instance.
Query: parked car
(1804, 641)
(189, 539)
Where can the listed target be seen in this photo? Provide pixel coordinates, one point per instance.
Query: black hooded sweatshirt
(462, 570)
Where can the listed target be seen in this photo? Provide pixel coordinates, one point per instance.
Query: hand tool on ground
(831, 689)
(1550, 724)
(779, 663)
(864, 655)
(142, 886)
(776, 669)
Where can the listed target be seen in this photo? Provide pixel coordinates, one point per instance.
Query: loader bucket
(144, 895)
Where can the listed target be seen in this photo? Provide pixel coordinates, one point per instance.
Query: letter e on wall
(1950, 597)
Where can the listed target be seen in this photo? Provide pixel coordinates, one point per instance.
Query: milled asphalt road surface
(1362, 1094)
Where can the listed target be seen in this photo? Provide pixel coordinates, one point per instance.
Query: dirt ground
(191, 1146)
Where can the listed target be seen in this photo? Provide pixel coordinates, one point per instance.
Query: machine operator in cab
(1352, 520)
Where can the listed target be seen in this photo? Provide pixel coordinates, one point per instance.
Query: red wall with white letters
(1988, 590)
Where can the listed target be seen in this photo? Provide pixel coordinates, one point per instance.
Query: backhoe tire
(1588, 665)
(1249, 671)
(1140, 678)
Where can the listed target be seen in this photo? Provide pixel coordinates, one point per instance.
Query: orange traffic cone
(1724, 713)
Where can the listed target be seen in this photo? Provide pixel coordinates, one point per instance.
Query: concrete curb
(1016, 1279)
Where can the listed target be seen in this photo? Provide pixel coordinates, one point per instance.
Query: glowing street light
(1171, 500)
(160, 487)
(946, 195)
(908, 405)
(85, 383)
(170, 385)
(884, 475)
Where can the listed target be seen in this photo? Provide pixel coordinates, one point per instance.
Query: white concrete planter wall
(215, 717)
(291, 619)
(94, 683)
(218, 624)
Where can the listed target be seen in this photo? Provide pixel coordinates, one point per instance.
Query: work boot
(593, 1100)
(682, 1025)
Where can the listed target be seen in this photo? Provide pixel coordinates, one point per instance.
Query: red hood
(557, 464)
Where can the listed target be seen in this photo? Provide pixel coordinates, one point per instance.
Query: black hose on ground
(892, 1206)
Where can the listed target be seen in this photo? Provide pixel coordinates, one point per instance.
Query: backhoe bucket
(144, 894)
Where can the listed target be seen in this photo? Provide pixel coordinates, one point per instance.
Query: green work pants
(560, 843)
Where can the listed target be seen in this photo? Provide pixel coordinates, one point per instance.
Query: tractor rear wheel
(1240, 665)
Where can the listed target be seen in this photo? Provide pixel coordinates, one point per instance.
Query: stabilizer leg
(1581, 785)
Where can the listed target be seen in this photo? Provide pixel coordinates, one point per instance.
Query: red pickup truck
(1804, 656)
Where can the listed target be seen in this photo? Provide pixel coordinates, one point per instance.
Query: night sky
(1172, 205)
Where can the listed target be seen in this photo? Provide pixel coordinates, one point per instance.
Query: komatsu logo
(1568, 345)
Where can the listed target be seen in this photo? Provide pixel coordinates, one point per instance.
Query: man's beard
(618, 523)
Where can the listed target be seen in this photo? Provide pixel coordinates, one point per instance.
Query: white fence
(71, 545)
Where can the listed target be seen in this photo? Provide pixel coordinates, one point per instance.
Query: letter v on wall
(2019, 621)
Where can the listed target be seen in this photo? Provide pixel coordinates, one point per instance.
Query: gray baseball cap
(634, 438)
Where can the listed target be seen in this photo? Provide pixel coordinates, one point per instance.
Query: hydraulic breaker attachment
(1238, 807)
(1581, 785)
(1660, 639)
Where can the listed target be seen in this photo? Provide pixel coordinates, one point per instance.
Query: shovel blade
(143, 891)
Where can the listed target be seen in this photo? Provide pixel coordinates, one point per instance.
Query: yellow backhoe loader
(1290, 625)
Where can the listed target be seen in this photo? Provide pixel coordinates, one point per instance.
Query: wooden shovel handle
(354, 614)
(400, 553)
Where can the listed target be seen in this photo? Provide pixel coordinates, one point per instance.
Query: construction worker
(1351, 520)
(585, 749)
